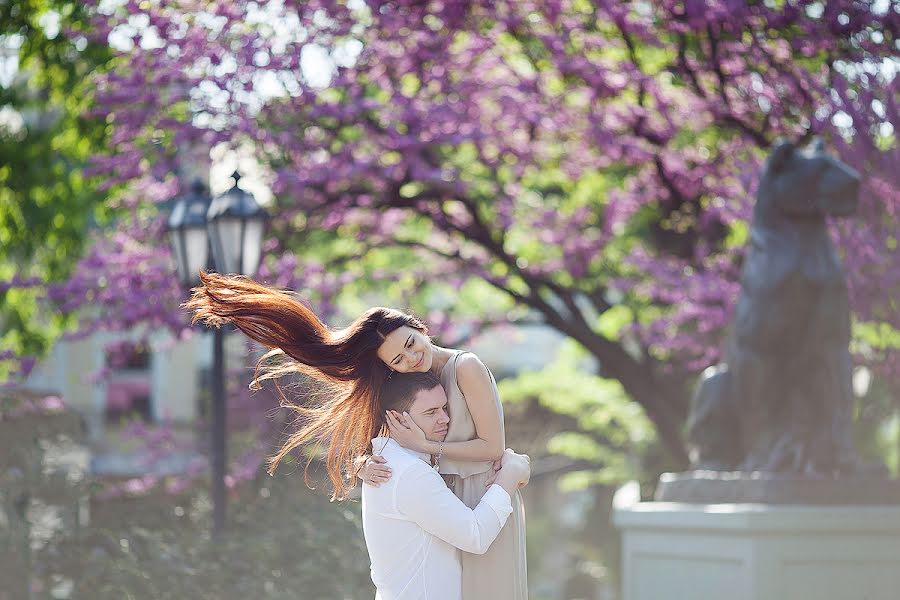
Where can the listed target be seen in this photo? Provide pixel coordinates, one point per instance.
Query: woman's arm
(475, 382)
(372, 469)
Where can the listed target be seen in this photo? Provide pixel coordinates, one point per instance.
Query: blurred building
(106, 378)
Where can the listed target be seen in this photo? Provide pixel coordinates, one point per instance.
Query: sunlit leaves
(47, 205)
(612, 430)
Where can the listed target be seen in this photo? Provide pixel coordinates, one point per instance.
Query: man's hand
(515, 471)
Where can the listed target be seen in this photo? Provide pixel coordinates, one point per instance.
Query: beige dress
(500, 573)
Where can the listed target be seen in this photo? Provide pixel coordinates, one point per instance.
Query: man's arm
(424, 497)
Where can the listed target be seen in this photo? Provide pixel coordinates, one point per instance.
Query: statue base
(717, 487)
(758, 551)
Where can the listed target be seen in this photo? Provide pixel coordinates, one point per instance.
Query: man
(414, 525)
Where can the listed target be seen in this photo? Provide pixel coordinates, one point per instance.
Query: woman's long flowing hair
(349, 416)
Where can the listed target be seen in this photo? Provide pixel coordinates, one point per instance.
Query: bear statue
(782, 400)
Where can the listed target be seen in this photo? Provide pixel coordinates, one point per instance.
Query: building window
(129, 387)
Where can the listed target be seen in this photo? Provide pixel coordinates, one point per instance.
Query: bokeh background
(561, 186)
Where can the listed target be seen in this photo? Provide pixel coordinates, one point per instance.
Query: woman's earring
(392, 373)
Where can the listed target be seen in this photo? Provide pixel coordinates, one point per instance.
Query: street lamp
(235, 223)
(231, 227)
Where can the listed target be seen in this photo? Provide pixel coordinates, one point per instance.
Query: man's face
(429, 412)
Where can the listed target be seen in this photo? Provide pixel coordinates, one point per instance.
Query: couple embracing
(442, 514)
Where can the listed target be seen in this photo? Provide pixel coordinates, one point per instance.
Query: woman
(355, 362)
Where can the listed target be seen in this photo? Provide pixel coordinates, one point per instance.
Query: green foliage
(738, 234)
(282, 540)
(877, 424)
(612, 431)
(46, 204)
(876, 335)
(888, 437)
(613, 320)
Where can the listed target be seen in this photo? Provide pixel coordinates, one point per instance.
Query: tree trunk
(666, 406)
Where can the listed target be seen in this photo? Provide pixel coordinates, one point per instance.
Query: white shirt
(415, 526)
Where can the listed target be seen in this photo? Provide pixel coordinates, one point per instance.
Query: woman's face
(406, 350)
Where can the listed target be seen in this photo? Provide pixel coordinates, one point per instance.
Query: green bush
(282, 541)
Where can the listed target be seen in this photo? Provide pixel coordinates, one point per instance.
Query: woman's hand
(493, 476)
(405, 431)
(374, 471)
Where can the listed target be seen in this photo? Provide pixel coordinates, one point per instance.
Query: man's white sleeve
(426, 500)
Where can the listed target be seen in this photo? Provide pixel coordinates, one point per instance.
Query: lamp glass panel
(197, 250)
(178, 254)
(253, 234)
(228, 232)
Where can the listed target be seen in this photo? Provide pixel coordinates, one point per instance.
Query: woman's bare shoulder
(470, 368)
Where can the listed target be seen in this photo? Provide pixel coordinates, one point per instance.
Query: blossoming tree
(588, 164)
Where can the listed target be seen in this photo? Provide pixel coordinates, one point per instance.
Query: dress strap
(460, 353)
(452, 363)
(457, 355)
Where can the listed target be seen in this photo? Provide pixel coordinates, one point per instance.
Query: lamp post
(228, 229)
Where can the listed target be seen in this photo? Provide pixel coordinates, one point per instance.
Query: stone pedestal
(675, 551)
(717, 487)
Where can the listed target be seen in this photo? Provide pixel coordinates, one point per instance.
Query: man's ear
(782, 150)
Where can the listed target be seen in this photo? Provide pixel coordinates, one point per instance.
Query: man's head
(420, 395)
